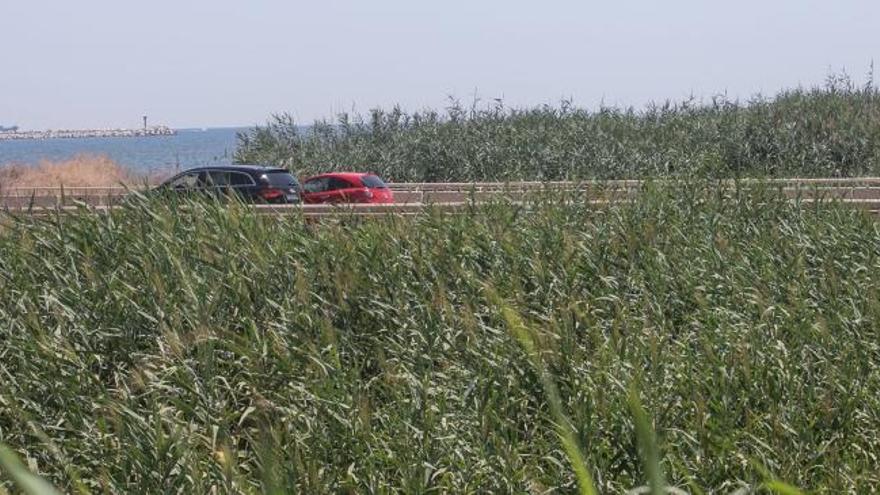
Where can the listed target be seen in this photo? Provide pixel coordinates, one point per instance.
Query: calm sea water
(188, 148)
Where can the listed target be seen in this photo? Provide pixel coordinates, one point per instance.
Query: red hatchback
(346, 187)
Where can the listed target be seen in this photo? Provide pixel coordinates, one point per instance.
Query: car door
(337, 189)
(218, 182)
(243, 185)
(315, 190)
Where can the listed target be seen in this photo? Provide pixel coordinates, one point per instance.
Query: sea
(186, 149)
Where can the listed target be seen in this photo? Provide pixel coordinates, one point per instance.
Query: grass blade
(24, 479)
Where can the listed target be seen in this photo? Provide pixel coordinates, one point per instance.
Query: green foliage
(832, 131)
(563, 424)
(194, 348)
(27, 482)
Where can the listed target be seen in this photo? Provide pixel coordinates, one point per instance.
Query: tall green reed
(830, 131)
(203, 348)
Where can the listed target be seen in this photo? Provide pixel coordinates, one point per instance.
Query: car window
(316, 185)
(239, 179)
(373, 182)
(185, 181)
(337, 183)
(280, 179)
(202, 180)
(218, 178)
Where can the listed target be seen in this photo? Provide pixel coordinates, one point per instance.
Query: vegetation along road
(685, 332)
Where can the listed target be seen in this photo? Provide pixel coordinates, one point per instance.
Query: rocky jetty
(87, 133)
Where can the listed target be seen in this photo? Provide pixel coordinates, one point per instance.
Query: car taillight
(271, 193)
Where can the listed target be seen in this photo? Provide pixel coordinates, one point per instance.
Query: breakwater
(87, 133)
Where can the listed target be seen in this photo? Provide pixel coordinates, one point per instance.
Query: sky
(201, 63)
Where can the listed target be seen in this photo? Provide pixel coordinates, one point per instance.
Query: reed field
(706, 338)
(828, 131)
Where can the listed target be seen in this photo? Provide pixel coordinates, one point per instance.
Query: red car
(348, 187)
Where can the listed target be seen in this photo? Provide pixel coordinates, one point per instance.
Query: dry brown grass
(80, 171)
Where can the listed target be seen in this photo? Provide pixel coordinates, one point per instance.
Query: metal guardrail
(306, 211)
(862, 192)
(522, 184)
(478, 186)
(320, 211)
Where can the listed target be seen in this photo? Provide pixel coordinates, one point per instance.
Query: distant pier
(87, 133)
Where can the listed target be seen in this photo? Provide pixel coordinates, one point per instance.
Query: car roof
(238, 168)
(342, 175)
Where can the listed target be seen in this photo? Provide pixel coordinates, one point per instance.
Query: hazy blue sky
(96, 63)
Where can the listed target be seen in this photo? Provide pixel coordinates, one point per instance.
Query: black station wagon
(251, 183)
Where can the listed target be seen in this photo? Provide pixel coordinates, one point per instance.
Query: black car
(251, 183)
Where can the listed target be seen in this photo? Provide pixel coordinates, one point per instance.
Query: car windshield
(373, 182)
(280, 179)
